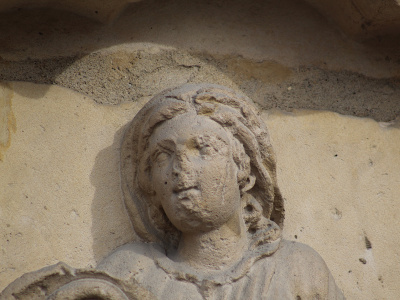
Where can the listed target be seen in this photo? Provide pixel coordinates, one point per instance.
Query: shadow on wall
(282, 54)
(111, 226)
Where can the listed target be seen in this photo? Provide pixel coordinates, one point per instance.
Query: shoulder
(298, 253)
(306, 270)
(128, 260)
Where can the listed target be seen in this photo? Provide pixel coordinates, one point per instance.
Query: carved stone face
(193, 175)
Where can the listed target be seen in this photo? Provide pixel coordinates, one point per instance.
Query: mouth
(179, 190)
(186, 193)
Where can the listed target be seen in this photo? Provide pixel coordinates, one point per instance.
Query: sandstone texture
(325, 74)
(103, 11)
(282, 54)
(341, 173)
(362, 19)
(53, 168)
(61, 197)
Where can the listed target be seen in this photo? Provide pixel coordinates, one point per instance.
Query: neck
(216, 249)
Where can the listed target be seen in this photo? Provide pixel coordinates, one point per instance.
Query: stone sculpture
(199, 178)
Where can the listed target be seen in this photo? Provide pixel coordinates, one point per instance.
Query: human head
(253, 155)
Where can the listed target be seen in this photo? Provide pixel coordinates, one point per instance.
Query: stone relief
(199, 179)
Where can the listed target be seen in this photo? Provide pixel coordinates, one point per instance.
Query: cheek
(227, 172)
(220, 178)
(212, 175)
(161, 181)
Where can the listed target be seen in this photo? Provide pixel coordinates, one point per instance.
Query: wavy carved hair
(262, 203)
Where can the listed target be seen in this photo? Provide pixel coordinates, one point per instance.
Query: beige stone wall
(69, 85)
(57, 191)
(283, 54)
(100, 10)
(340, 178)
(61, 197)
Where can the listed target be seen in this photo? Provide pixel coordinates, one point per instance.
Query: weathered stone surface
(357, 18)
(338, 176)
(288, 32)
(344, 175)
(121, 74)
(282, 54)
(61, 282)
(199, 180)
(363, 19)
(335, 55)
(101, 10)
(56, 193)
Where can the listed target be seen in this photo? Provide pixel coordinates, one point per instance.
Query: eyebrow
(166, 144)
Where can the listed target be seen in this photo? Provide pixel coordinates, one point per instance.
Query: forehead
(186, 126)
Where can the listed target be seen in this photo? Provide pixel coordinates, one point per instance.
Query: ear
(251, 180)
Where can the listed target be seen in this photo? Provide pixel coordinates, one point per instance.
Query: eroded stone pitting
(7, 119)
(61, 199)
(122, 76)
(323, 165)
(358, 18)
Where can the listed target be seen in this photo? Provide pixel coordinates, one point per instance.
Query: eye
(162, 156)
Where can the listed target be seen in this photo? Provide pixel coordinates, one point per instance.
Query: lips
(185, 193)
(184, 189)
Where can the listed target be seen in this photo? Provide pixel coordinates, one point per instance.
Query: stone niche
(323, 74)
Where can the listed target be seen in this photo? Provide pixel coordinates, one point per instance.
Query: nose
(182, 170)
(181, 163)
